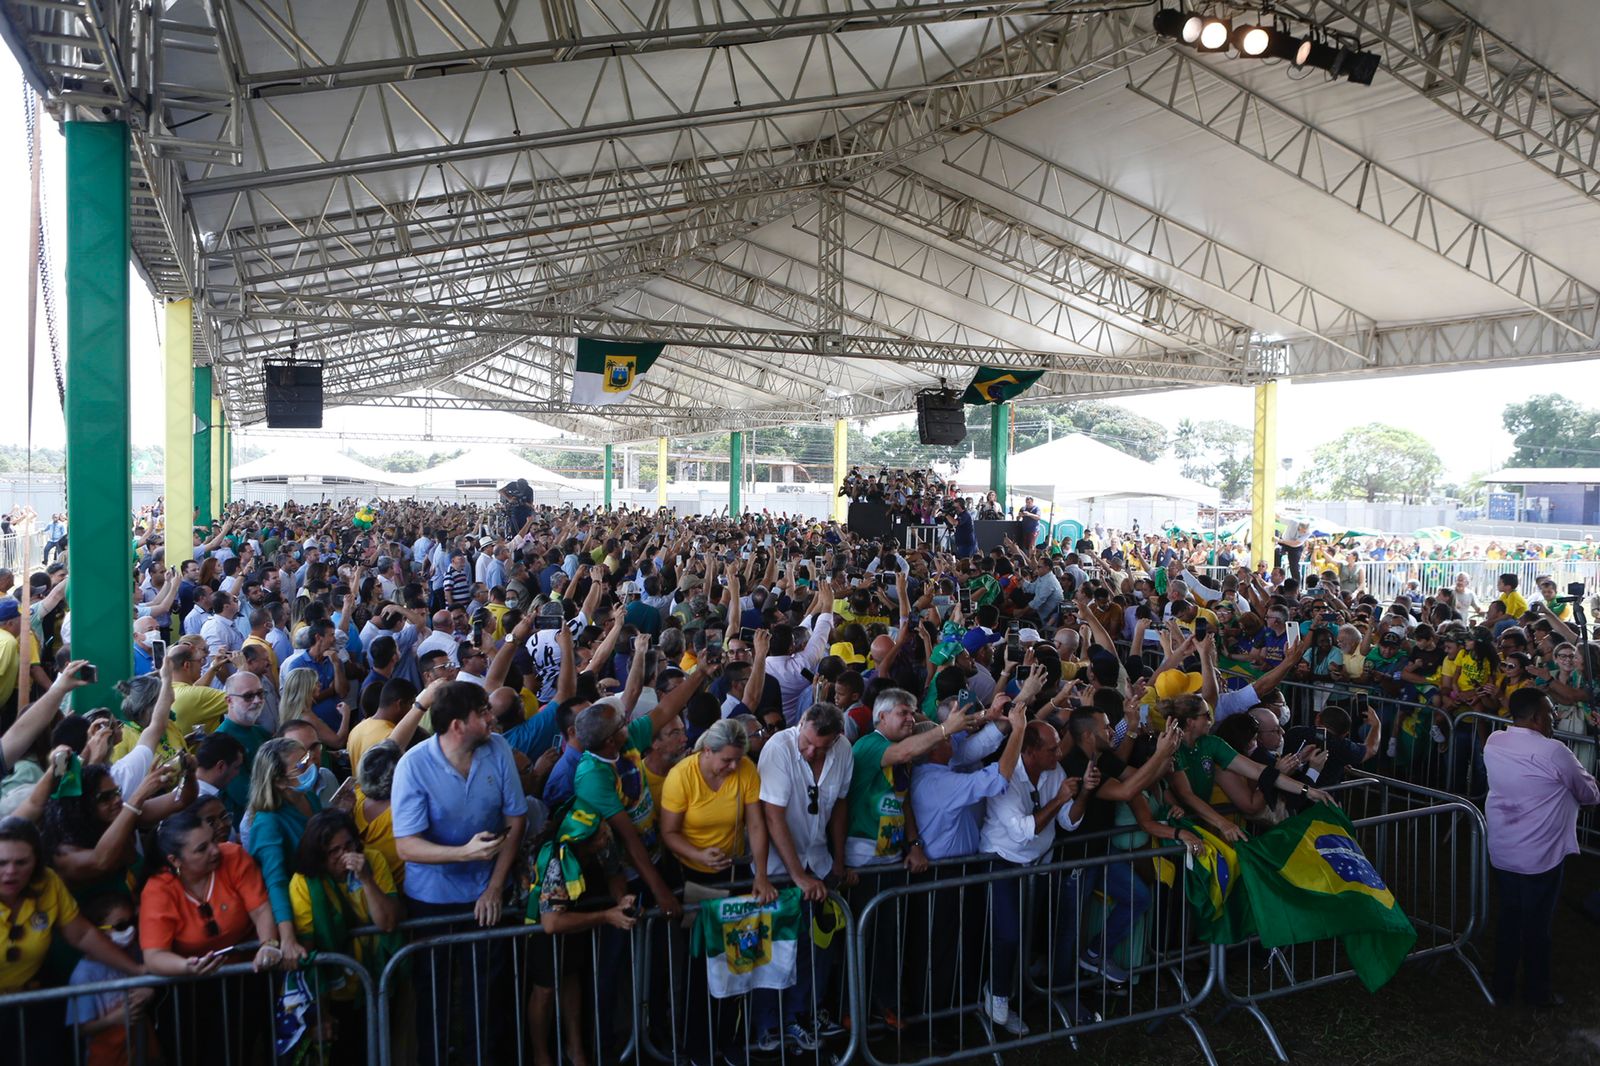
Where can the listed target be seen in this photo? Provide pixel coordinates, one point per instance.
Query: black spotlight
(1359, 67)
(1169, 22)
(1215, 35)
(1264, 42)
(1315, 54)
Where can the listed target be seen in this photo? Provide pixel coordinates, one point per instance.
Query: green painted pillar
(735, 472)
(99, 456)
(999, 450)
(608, 476)
(227, 463)
(202, 448)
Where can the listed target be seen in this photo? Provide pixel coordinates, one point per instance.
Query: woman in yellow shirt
(373, 817)
(34, 906)
(709, 807)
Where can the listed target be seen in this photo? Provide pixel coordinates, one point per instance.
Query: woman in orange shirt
(208, 898)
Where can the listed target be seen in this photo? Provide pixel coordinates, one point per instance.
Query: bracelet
(138, 812)
(944, 730)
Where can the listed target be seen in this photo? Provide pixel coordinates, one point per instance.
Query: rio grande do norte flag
(996, 384)
(606, 371)
(1308, 879)
(747, 944)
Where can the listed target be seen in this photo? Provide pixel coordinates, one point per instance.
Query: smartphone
(1013, 645)
(747, 635)
(345, 793)
(1322, 739)
(158, 651)
(88, 672)
(1201, 628)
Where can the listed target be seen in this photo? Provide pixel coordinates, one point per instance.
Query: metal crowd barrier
(225, 1017)
(1059, 908)
(1425, 854)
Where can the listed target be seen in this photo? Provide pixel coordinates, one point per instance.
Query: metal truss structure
(808, 201)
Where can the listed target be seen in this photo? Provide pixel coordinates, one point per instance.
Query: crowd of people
(345, 717)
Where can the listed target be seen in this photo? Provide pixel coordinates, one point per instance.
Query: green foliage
(405, 462)
(1551, 430)
(1215, 453)
(1372, 461)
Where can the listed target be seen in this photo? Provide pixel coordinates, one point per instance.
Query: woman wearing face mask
(207, 898)
(34, 906)
(283, 798)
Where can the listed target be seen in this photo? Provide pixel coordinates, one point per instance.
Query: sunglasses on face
(209, 917)
(107, 795)
(811, 797)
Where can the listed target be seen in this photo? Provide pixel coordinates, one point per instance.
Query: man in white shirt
(221, 631)
(787, 666)
(441, 638)
(1020, 827)
(805, 786)
(199, 614)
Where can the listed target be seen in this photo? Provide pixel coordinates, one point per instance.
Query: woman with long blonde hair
(299, 686)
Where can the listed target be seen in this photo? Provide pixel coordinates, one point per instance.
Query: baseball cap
(1170, 683)
(846, 651)
(1028, 636)
(690, 582)
(9, 609)
(628, 588)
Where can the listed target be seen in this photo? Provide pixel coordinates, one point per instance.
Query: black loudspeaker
(294, 395)
(941, 417)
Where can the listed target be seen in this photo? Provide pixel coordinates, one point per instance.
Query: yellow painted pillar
(661, 471)
(1264, 475)
(179, 477)
(217, 496)
(841, 467)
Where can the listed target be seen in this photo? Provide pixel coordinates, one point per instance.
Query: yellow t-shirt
(365, 734)
(272, 655)
(169, 747)
(35, 919)
(378, 835)
(1515, 605)
(353, 902)
(194, 705)
(9, 654)
(711, 819)
(497, 612)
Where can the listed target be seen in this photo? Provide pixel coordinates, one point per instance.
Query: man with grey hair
(805, 781)
(882, 827)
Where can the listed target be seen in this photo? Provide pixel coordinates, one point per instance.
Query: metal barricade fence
(1467, 777)
(1433, 857)
(225, 1018)
(1034, 931)
(1387, 578)
(487, 996)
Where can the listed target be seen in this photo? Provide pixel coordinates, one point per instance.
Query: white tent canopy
(1076, 467)
(494, 465)
(308, 459)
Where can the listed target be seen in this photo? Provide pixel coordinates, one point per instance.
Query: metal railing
(1426, 850)
(1388, 578)
(209, 1019)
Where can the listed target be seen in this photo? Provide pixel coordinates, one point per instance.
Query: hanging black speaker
(941, 417)
(293, 395)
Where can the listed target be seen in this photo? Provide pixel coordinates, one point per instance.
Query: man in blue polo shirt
(459, 813)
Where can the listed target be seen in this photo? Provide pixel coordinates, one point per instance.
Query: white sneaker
(998, 1008)
(1394, 746)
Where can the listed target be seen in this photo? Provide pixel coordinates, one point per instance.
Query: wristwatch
(917, 843)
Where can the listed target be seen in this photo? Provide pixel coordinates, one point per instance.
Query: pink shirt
(1536, 786)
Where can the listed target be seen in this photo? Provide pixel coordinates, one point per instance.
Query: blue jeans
(813, 969)
(1526, 913)
(1005, 912)
(1129, 898)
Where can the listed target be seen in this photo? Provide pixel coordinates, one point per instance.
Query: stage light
(1264, 42)
(1315, 54)
(1359, 67)
(1191, 29)
(1169, 22)
(1214, 35)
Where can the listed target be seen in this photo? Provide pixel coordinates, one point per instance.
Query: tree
(1215, 453)
(1551, 430)
(1372, 461)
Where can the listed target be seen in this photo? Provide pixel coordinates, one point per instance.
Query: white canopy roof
(497, 465)
(1076, 467)
(299, 459)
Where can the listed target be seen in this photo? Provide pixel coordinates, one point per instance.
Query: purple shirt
(1536, 786)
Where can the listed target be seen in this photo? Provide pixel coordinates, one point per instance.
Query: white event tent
(1076, 467)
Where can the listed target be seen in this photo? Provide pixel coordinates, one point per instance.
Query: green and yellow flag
(606, 371)
(996, 384)
(1217, 899)
(1308, 879)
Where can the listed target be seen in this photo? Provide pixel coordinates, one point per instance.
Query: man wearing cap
(979, 645)
(637, 613)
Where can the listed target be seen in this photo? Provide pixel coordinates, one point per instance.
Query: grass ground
(1430, 1013)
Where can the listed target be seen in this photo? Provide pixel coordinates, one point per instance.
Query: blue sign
(1503, 506)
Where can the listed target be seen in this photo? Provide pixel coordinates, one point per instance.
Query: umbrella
(1442, 534)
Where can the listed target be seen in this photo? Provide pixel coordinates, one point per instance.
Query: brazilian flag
(996, 384)
(1217, 898)
(1308, 879)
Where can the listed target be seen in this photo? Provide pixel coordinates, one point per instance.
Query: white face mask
(123, 937)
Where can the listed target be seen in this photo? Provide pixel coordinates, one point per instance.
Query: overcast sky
(1458, 412)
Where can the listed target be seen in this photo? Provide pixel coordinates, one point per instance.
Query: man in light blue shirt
(1047, 594)
(459, 815)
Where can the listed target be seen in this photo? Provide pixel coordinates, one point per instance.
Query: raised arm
(20, 738)
(635, 682)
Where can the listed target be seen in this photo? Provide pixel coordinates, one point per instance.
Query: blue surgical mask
(307, 780)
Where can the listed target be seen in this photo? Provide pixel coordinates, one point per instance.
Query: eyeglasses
(209, 916)
(811, 795)
(250, 697)
(107, 795)
(1034, 793)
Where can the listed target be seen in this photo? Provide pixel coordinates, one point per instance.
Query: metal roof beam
(1480, 77)
(645, 27)
(1220, 105)
(1084, 204)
